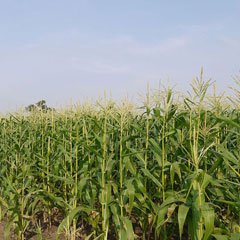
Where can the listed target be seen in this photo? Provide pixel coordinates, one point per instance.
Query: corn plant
(166, 169)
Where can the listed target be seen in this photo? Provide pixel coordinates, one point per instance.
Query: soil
(2, 228)
(48, 234)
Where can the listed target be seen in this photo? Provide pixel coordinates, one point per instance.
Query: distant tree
(41, 105)
(31, 108)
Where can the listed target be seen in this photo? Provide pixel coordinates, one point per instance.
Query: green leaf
(128, 227)
(131, 194)
(130, 167)
(182, 214)
(72, 214)
(148, 174)
(220, 237)
(82, 183)
(155, 146)
(206, 180)
(235, 236)
(175, 169)
(116, 218)
(161, 216)
(227, 120)
(208, 216)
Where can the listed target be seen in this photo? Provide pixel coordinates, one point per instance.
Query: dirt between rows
(48, 234)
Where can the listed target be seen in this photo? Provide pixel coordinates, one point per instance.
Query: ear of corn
(167, 170)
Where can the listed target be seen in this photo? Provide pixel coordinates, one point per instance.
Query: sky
(60, 50)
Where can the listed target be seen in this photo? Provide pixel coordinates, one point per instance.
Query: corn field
(169, 169)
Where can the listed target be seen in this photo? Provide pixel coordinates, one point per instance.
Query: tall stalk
(104, 215)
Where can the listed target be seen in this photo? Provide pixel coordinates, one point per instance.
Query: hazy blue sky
(58, 49)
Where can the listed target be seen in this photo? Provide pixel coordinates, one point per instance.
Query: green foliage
(39, 106)
(169, 170)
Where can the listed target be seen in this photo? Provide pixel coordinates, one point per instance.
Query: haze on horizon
(60, 50)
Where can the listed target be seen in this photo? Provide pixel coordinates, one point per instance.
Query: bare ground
(47, 234)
